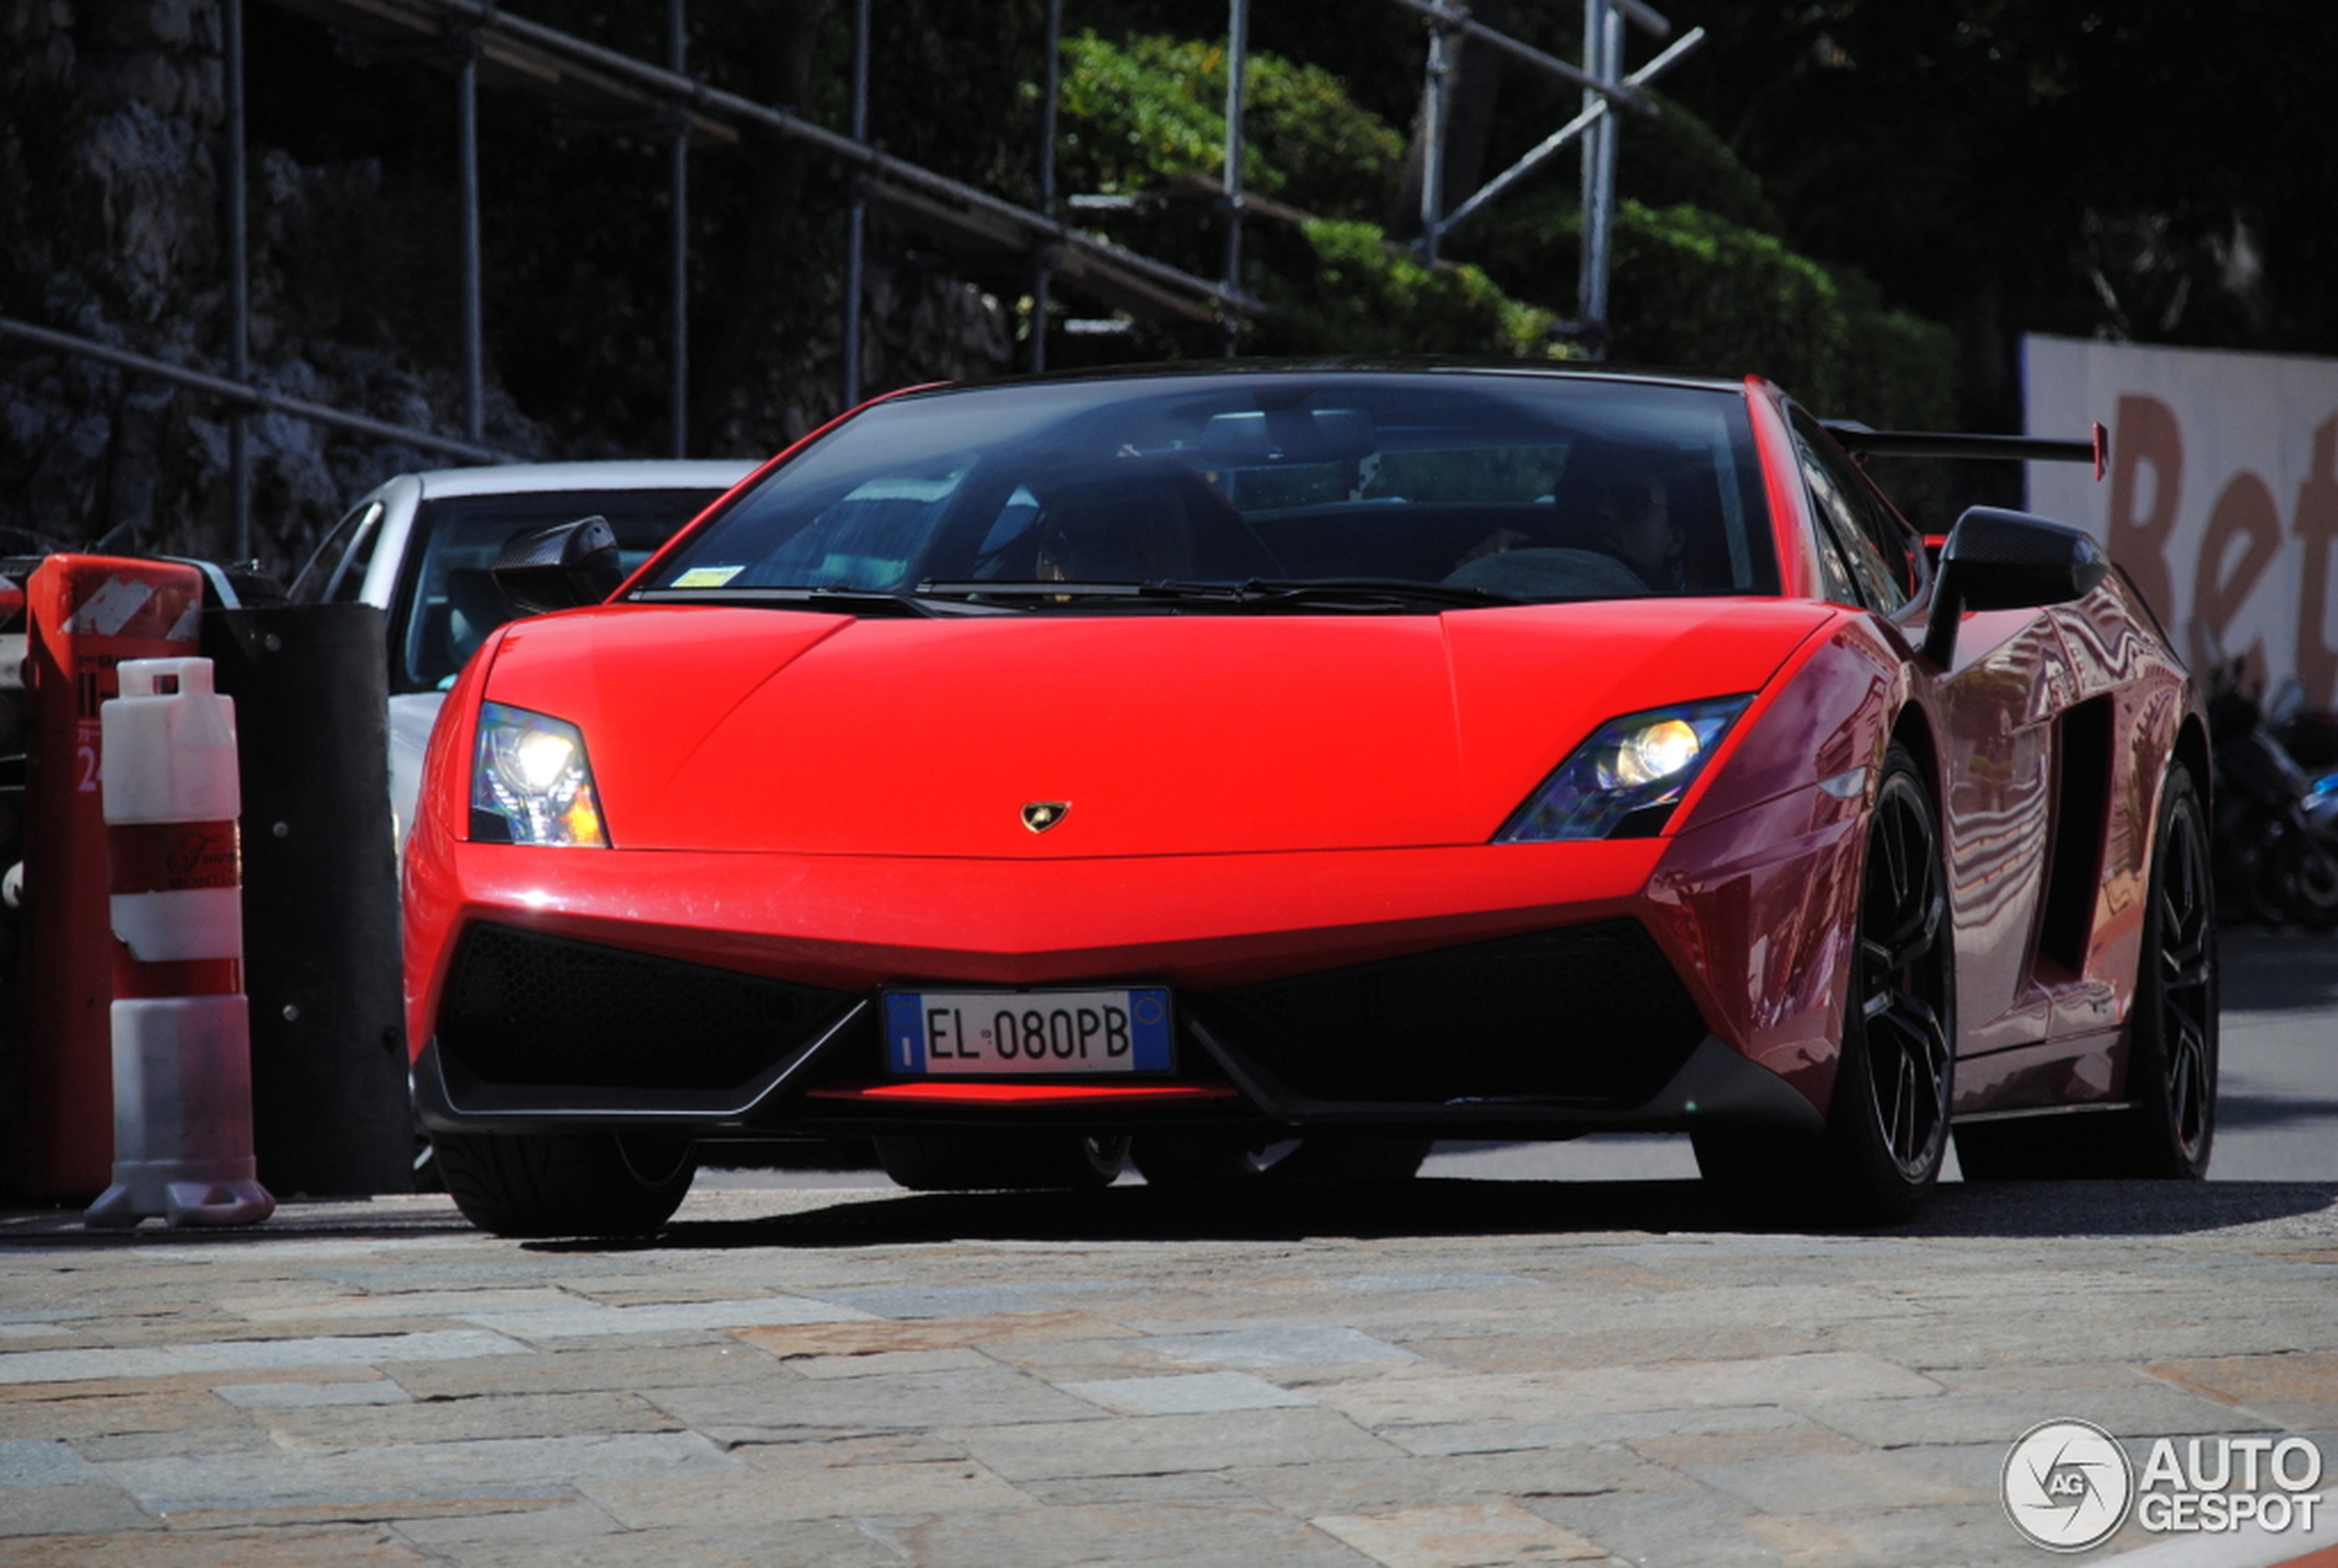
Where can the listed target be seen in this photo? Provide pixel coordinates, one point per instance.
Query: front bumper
(1544, 1033)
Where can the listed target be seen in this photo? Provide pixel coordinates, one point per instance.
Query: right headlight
(1640, 763)
(530, 781)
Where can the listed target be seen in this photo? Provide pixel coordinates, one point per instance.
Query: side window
(336, 574)
(1833, 564)
(1879, 551)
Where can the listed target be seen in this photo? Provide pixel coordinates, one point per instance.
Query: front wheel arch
(1886, 1132)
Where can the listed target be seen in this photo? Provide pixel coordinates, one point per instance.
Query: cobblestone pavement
(1449, 1373)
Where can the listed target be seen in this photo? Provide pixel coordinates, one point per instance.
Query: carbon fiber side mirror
(1996, 559)
(559, 568)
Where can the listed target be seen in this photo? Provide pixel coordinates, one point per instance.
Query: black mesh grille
(1590, 1015)
(524, 1008)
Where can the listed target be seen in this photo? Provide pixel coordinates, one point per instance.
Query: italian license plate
(1029, 1033)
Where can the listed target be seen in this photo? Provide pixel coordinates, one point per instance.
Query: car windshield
(450, 604)
(1329, 490)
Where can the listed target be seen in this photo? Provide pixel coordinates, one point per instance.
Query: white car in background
(418, 548)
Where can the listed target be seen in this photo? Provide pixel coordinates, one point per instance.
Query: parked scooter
(2275, 860)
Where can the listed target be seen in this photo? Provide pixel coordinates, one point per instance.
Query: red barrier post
(88, 613)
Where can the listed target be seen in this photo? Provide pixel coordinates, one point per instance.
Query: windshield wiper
(1366, 593)
(842, 601)
(1035, 589)
(1361, 594)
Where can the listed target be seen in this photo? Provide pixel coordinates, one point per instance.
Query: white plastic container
(181, 1028)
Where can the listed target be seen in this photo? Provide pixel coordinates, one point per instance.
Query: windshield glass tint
(1534, 487)
(449, 603)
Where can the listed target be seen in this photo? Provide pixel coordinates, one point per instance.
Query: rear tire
(566, 1184)
(1199, 1160)
(1887, 1124)
(2171, 1045)
(974, 1164)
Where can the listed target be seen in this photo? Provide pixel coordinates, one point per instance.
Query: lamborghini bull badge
(1041, 815)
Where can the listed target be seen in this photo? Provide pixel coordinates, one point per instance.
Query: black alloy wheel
(1898, 1035)
(1887, 1124)
(2171, 1051)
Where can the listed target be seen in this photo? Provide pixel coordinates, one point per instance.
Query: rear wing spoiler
(1861, 442)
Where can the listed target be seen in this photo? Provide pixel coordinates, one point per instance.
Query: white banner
(2222, 498)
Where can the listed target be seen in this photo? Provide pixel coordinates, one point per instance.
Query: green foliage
(1701, 282)
(1156, 106)
(1136, 115)
(1363, 295)
(1692, 290)
(1676, 160)
(1128, 121)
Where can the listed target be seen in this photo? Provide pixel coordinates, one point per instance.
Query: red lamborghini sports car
(1258, 772)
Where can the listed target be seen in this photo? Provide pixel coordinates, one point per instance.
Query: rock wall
(113, 119)
(111, 228)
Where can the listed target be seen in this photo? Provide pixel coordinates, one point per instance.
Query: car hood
(711, 728)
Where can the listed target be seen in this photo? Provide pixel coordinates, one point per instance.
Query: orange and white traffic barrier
(181, 1031)
(86, 617)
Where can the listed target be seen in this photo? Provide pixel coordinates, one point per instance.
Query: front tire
(1887, 1124)
(566, 1184)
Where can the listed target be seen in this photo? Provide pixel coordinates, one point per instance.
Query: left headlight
(530, 782)
(1624, 781)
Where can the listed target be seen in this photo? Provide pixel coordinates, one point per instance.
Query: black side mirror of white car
(559, 568)
(1996, 559)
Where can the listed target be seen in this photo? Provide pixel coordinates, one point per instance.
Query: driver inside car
(1112, 534)
(1622, 539)
(1633, 522)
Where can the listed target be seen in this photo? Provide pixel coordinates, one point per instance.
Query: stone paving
(1451, 1373)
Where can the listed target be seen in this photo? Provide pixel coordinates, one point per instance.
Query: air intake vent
(1589, 1015)
(525, 1009)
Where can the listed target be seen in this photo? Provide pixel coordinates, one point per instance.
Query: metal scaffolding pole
(1042, 270)
(1558, 140)
(467, 140)
(856, 212)
(1237, 70)
(1457, 20)
(1432, 138)
(1603, 57)
(238, 289)
(677, 405)
(238, 394)
(852, 152)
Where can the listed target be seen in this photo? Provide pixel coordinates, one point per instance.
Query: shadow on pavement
(2270, 1110)
(2278, 971)
(1432, 1208)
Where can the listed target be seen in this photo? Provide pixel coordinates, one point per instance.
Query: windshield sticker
(707, 576)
